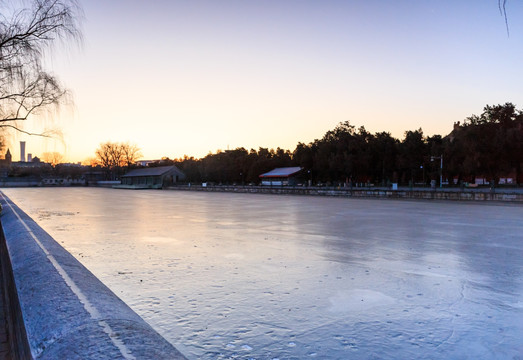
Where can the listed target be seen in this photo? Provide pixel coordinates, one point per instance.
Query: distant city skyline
(178, 77)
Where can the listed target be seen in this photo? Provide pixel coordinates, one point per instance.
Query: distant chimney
(29, 157)
(22, 151)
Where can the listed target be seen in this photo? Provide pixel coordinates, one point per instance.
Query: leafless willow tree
(29, 30)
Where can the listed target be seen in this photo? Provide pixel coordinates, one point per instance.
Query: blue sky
(189, 77)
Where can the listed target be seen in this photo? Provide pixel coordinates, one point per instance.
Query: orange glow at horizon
(188, 78)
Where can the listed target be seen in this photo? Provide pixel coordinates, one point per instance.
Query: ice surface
(293, 277)
(358, 300)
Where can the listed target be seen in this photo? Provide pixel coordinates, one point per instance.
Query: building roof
(153, 171)
(282, 172)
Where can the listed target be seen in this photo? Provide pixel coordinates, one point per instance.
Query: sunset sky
(190, 77)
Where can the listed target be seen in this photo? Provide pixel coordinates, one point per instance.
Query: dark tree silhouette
(489, 145)
(113, 157)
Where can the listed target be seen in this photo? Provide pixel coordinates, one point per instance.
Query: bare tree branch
(115, 155)
(24, 132)
(131, 153)
(502, 5)
(53, 158)
(25, 33)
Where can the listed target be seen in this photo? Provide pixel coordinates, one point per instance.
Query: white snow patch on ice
(519, 305)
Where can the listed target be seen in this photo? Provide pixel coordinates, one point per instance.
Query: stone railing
(57, 309)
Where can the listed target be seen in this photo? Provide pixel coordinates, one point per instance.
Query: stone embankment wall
(61, 310)
(467, 195)
(29, 183)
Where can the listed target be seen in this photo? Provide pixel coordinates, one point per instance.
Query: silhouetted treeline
(488, 146)
(234, 166)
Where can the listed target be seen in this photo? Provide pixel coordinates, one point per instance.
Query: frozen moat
(293, 277)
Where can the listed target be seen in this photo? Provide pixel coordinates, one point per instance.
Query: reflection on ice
(280, 277)
(160, 240)
(235, 256)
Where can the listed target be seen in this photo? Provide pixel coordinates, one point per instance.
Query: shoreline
(498, 195)
(505, 195)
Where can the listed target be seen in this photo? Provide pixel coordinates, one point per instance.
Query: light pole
(440, 168)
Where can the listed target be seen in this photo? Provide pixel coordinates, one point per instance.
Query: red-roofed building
(285, 176)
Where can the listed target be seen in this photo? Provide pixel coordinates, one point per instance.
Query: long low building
(281, 176)
(151, 178)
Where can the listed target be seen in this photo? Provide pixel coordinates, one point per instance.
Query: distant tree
(131, 153)
(190, 167)
(412, 151)
(384, 149)
(490, 144)
(303, 156)
(361, 155)
(53, 158)
(260, 161)
(164, 161)
(26, 33)
(91, 161)
(333, 159)
(70, 171)
(431, 161)
(103, 155)
(114, 156)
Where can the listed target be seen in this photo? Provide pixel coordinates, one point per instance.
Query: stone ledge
(362, 193)
(66, 311)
